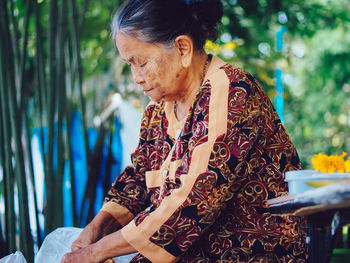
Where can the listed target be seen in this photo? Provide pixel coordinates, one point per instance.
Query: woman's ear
(184, 46)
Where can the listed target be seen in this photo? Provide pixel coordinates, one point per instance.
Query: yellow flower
(320, 162)
(330, 164)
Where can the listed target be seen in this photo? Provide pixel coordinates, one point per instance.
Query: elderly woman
(212, 150)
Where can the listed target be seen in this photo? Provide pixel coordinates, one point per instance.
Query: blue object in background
(117, 151)
(67, 197)
(279, 100)
(279, 37)
(79, 161)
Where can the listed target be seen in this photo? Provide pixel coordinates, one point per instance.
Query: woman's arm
(112, 245)
(102, 225)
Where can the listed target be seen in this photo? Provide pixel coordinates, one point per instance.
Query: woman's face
(155, 67)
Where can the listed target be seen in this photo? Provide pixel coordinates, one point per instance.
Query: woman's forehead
(131, 48)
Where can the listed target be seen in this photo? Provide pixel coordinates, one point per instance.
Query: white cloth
(14, 258)
(55, 245)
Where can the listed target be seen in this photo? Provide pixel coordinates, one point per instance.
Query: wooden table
(327, 208)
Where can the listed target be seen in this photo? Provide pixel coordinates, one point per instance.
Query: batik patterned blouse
(197, 189)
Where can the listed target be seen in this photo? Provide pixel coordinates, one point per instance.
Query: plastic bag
(56, 244)
(14, 258)
(59, 242)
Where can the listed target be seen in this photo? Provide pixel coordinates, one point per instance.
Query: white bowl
(303, 180)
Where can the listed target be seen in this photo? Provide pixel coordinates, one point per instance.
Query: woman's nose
(137, 76)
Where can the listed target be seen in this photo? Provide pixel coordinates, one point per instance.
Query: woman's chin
(155, 100)
(153, 97)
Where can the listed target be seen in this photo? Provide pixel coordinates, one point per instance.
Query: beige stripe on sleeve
(142, 244)
(153, 179)
(120, 213)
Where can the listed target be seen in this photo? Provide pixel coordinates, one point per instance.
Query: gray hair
(161, 21)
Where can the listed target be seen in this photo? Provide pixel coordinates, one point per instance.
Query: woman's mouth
(145, 91)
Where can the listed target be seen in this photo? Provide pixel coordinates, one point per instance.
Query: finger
(76, 246)
(64, 258)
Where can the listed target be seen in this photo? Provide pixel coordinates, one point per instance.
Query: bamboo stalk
(38, 100)
(40, 52)
(49, 173)
(25, 234)
(61, 109)
(15, 35)
(3, 246)
(23, 58)
(9, 199)
(6, 146)
(69, 112)
(39, 112)
(76, 50)
(40, 90)
(31, 174)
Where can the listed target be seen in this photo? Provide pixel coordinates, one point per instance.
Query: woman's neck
(194, 78)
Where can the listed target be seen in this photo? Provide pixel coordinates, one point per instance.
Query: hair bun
(205, 16)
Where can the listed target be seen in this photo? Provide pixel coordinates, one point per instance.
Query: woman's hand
(102, 225)
(112, 245)
(85, 255)
(88, 236)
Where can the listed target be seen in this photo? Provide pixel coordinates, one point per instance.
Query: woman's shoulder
(233, 74)
(238, 75)
(223, 75)
(241, 88)
(242, 80)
